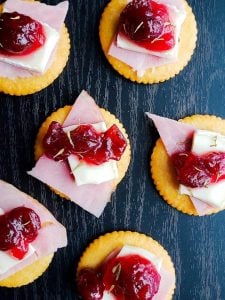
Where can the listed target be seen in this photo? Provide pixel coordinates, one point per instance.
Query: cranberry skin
(199, 170)
(85, 142)
(147, 23)
(85, 139)
(20, 34)
(56, 143)
(90, 284)
(113, 146)
(8, 234)
(18, 228)
(26, 221)
(131, 277)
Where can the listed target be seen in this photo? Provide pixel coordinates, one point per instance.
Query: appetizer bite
(34, 45)
(148, 41)
(29, 236)
(82, 153)
(125, 265)
(188, 163)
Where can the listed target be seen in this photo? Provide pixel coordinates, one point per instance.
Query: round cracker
(100, 248)
(28, 274)
(24, 86)
(163, 173)
(188, 37)
(60, 115)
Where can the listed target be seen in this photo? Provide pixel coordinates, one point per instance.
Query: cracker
(60, 115)
(28, 274)
(188, 37)
(100, 248)
(29, 85)
(162, 170)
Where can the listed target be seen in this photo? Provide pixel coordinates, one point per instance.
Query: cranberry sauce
(90, 284)
(147, 24)
(18, 228)
(199, 170)
(128, 277)
(19, 34)
(85, 142)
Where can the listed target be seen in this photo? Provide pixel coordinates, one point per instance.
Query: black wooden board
(197, 245)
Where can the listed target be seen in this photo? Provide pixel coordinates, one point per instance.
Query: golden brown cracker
(29, 85)
(162, 170)
(188, 37)
(100, 248)
(28, 274)
(60, 115)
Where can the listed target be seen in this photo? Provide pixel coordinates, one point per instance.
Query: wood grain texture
(196, 245)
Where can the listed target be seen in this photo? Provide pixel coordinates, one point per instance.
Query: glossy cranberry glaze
(19, 34)
(199, 171)
(128, 277)
(90, 285)
(85, 142)
(18, 228)
(147, 23)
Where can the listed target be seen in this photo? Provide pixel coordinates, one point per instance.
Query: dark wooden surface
(197, 245)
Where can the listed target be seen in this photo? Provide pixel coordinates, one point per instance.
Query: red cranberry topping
(90, 284)
(18, 228)
(147, 23)
(19, 34)
(56, 143)
(131, 277)
(199, 170)
(85, 142)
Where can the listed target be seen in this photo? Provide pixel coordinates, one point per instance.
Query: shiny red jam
(147, 24)
(199, 170)
(90, 285)
(19, 34)
(18, 228)
(128, 277)
(85, 142)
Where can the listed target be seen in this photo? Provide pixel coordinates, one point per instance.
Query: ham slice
(173, 135)
(50, 237)
(166, 283)
(140, 62)
(91, 197)
(54, 16)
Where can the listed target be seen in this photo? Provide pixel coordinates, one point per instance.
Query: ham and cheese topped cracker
(29, 234)
(145, 40)
(84, 155)
(34, 45)
(196, 165)
(51, 18)
(125, 265)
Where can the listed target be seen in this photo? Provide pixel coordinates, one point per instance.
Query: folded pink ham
(166, 284)
(53, 16)
(173, 135)
(91, 197)
(50, 237)
(138, 61)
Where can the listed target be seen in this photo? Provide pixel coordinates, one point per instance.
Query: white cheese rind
(207, 141)
(7, 261)
(36, 61)
(213, 194)
(172, 54)
(91, 174)
(128, 250)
